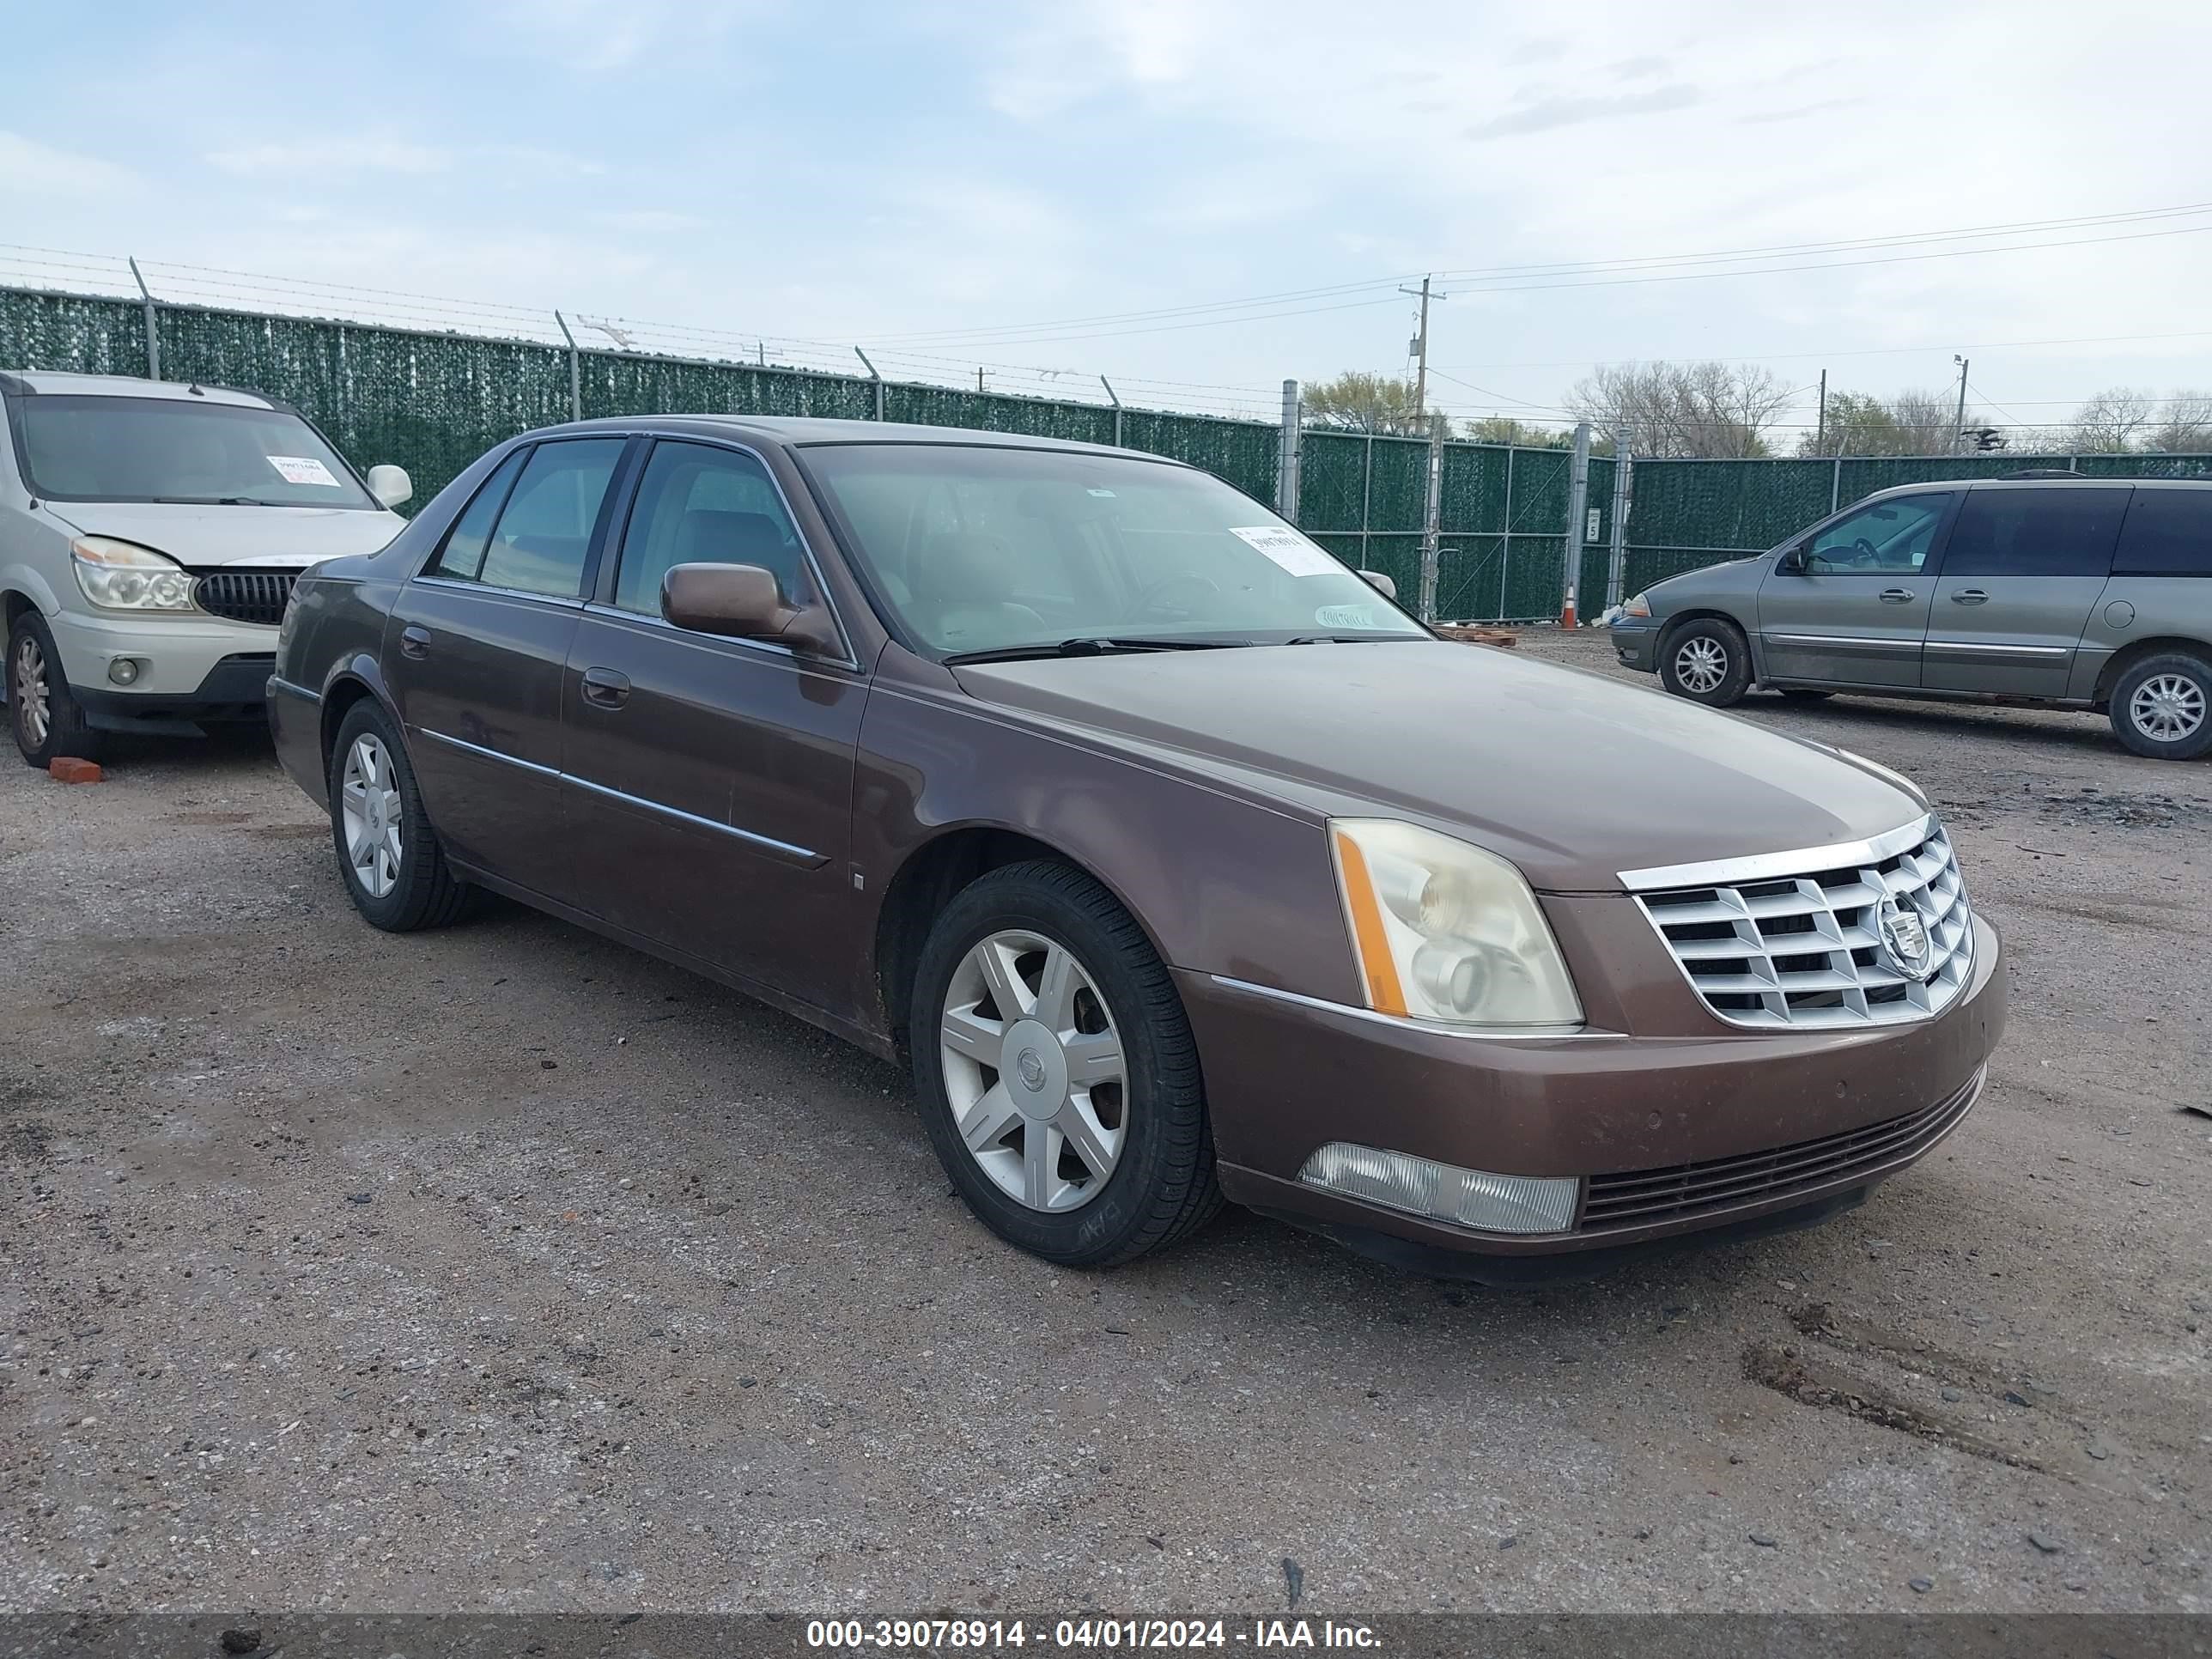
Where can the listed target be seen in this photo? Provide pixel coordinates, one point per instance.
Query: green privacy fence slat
(433, 401)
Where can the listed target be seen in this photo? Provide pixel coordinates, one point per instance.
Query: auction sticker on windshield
(1289, 549)
(303, 470)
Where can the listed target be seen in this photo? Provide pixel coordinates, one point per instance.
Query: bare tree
(2184, 425)
(1910, 423)
(2114, 420)
(1678, 410)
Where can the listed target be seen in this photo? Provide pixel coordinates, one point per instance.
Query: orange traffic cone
(1567, 610)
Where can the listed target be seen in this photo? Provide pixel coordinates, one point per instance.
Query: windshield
(988, 550)
(177, 449)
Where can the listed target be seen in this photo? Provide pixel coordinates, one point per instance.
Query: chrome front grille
(247, 596)
(1815, 938)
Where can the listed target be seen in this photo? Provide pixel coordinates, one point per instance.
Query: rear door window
(545, 532)
(462, 557)
(2035, 532)
(2168, 532)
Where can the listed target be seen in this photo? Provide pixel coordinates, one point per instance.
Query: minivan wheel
(48, 722)
(1706, 661)
(2162, 707)
(395, 870)
(1056, 1071)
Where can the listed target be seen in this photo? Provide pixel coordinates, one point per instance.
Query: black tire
(1718, 650)
(2187, 681)
(425, 892)
(1162, 1186)
(1802, 694)
(31, 651)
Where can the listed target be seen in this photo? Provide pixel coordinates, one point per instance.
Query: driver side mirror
(742, 602)
(1791, 564)
(1381, 583)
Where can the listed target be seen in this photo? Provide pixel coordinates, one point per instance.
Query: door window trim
(618, 482)
(599, 595)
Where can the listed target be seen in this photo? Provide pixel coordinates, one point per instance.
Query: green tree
(1357, 401)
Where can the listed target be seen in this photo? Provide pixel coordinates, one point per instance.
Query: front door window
(1887, 539)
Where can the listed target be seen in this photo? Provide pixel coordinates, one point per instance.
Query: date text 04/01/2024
(987, 1634)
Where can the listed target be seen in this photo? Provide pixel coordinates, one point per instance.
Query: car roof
(2069, 481)
(809, 431)
(48, 383)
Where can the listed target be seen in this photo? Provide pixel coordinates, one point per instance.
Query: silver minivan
(2066, 592)
(150, 531)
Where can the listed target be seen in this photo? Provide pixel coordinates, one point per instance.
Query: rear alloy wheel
(2162, 707)
(1055, 1070)
(395, 870)
(48, 722)
(1706, 661)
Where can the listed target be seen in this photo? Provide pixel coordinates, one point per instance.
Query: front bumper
(1730, 1117)
(192, 669)
(1636, 642)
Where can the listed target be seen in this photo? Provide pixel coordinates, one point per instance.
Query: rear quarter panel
(2132, 609)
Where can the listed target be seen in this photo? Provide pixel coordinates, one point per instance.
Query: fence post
(1366, 501)
(1835, 483)
(1286, 456)
(1578, 505)
(1624, 496)
(153, 334)
(1116, 397)
(873, 375)
(1505, 536)
(1431, 523)
(575, 371)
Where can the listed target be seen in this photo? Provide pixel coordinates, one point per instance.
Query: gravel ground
(505, 1268)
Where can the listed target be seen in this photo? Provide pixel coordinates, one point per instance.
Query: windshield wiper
(1088, 645)
(1353, 639)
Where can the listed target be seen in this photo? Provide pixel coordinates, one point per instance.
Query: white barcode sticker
(303, 470)
(1289, 549)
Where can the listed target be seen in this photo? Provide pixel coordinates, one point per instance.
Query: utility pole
(978, 377)
(1432, 516)
(1421, 352)
(1958, 422)
(1820, 431)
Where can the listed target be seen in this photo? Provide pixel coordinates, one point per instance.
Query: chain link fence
(433, 401)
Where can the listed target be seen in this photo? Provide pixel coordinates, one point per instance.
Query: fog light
(123, 671)
(1442, 1191)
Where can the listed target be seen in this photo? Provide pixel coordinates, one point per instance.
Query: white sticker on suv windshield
(304, 470)
(1289, 549)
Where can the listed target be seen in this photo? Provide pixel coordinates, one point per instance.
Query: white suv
(151, 533)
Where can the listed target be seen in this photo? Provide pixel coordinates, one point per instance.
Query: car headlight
(1637, 604)
(1447, 932)
(124, 576)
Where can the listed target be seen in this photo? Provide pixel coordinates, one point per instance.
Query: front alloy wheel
(1701, 664)
(46, 718)
(1055, 1072)
(1034, 1071)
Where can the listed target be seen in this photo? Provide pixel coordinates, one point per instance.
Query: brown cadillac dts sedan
(1181, 861)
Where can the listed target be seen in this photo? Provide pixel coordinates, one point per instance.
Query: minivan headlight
(124, 576)
(1636, 604)
(1446, 932)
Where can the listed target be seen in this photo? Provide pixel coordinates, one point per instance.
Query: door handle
(1970, 595)
(415, 643)
(605, 688)
(1896, 595)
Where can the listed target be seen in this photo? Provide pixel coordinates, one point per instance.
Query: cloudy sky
(1197, 198)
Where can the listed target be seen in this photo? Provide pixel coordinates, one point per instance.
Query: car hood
(1573, 777)
(285, 537)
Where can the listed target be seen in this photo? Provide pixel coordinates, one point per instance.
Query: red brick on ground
(67, 769)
